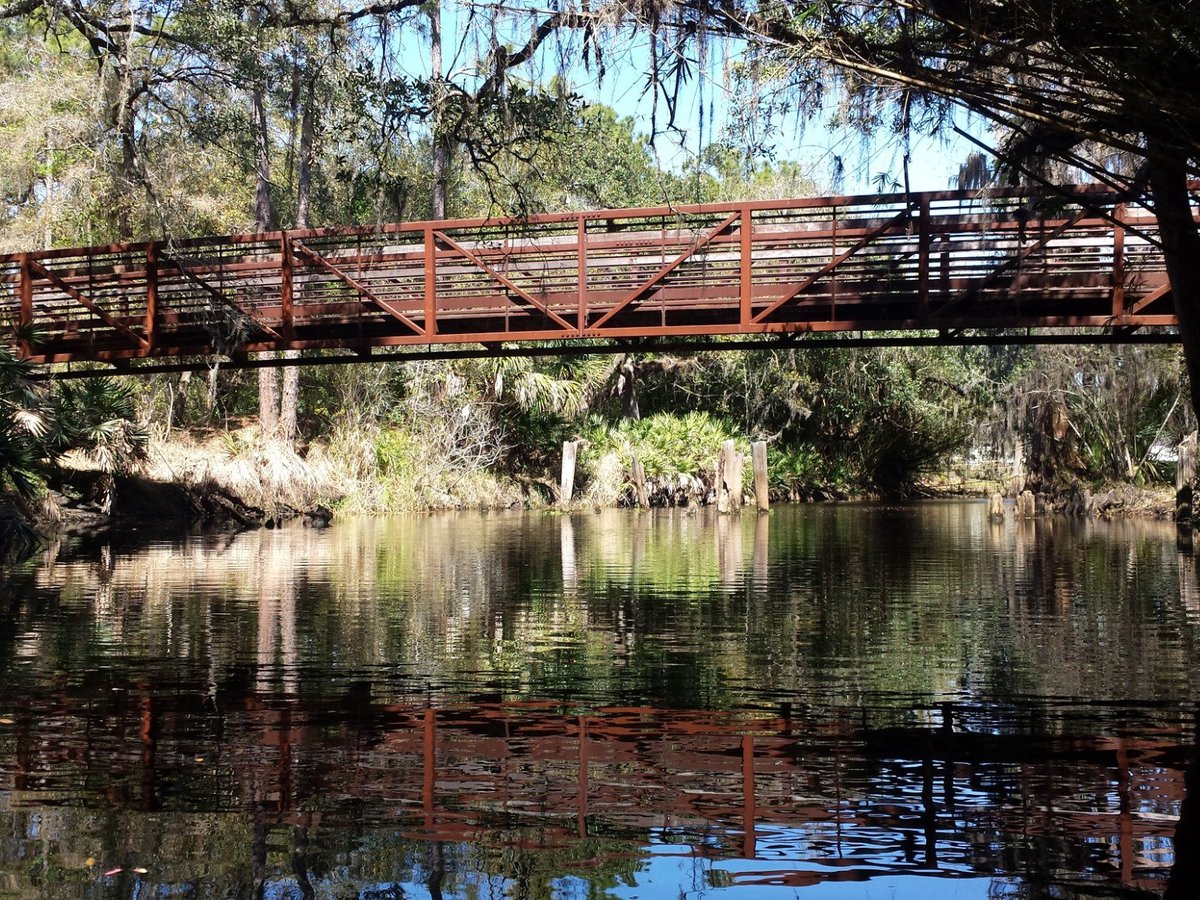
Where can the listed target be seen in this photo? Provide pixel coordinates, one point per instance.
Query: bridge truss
(962, 267)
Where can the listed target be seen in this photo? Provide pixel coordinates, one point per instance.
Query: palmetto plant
(40, 422)
(97, 417)
(23, 426)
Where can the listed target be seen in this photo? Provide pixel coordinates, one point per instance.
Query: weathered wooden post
(570, 566)
(733, 475)
(639, 483)
(1026, 505)
(729, 478)
(996, 507)
(1185, 478)
(762, 494)
(1016, 481)
(566, 486)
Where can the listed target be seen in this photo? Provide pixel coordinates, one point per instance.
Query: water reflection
(616, 704)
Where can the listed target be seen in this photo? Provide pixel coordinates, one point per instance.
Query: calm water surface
(849, 701)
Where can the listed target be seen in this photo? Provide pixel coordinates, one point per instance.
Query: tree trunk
(627, 388)
(1181, 248)
(128, 176)
(268, 401)
(304, 167)
(268, 378)
(440, 154)
(126, 134)
(262, 162)
(289, 399)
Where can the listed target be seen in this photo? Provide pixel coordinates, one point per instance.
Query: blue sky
(703, 115)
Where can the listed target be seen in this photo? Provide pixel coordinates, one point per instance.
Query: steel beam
(504, 280)
(639, 293)
(875, 263)
(78, 295)
(364, 291)
(221, 297)
(808, 282)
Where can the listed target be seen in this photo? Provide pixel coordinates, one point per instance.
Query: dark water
(846, 701)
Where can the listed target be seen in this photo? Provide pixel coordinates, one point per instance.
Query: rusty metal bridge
(966, 267)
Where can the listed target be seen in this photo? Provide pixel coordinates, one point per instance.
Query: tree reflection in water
(545, 705)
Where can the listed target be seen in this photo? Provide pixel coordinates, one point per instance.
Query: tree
(39, 423)
(1096, 413)
(1105, 86)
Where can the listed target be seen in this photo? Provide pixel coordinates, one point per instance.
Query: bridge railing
(947, 261)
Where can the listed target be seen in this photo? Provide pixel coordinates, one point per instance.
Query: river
(832, 700)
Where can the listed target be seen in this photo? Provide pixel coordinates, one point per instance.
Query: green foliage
(39, 423)
(23, 427)
(725, 173)
(687, 444)
(665, 443)
(878, 418)
(798, 471)
(1097, 414)
(393, 453)
(97, 416)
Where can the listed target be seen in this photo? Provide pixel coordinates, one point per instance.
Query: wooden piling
(762, 494)
(567, 483)
(639, 483)
(729, 478)
(1185, 478)
(1016, 481)
(996, 507)
(1026, 506)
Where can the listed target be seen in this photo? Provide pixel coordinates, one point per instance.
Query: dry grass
(609, 482)
(265, 474)
(382, 472)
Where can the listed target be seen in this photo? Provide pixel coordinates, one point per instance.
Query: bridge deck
(886, 263)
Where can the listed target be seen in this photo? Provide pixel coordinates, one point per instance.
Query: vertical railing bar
(747, 262)
(581, 273)
(924, 238)
(945, 253)
(25, 322)
(286, 288)
(430, 283)
(833, 230)
(151, 295)
(1118, 292)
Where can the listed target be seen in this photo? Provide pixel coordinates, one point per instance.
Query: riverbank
(219, 479)
(234, 480)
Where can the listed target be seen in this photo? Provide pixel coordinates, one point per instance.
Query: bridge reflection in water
(234, 721)
(802, 800)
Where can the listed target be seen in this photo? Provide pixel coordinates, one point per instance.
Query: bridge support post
(1185, 478)
(762, 493)
(566, 485)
